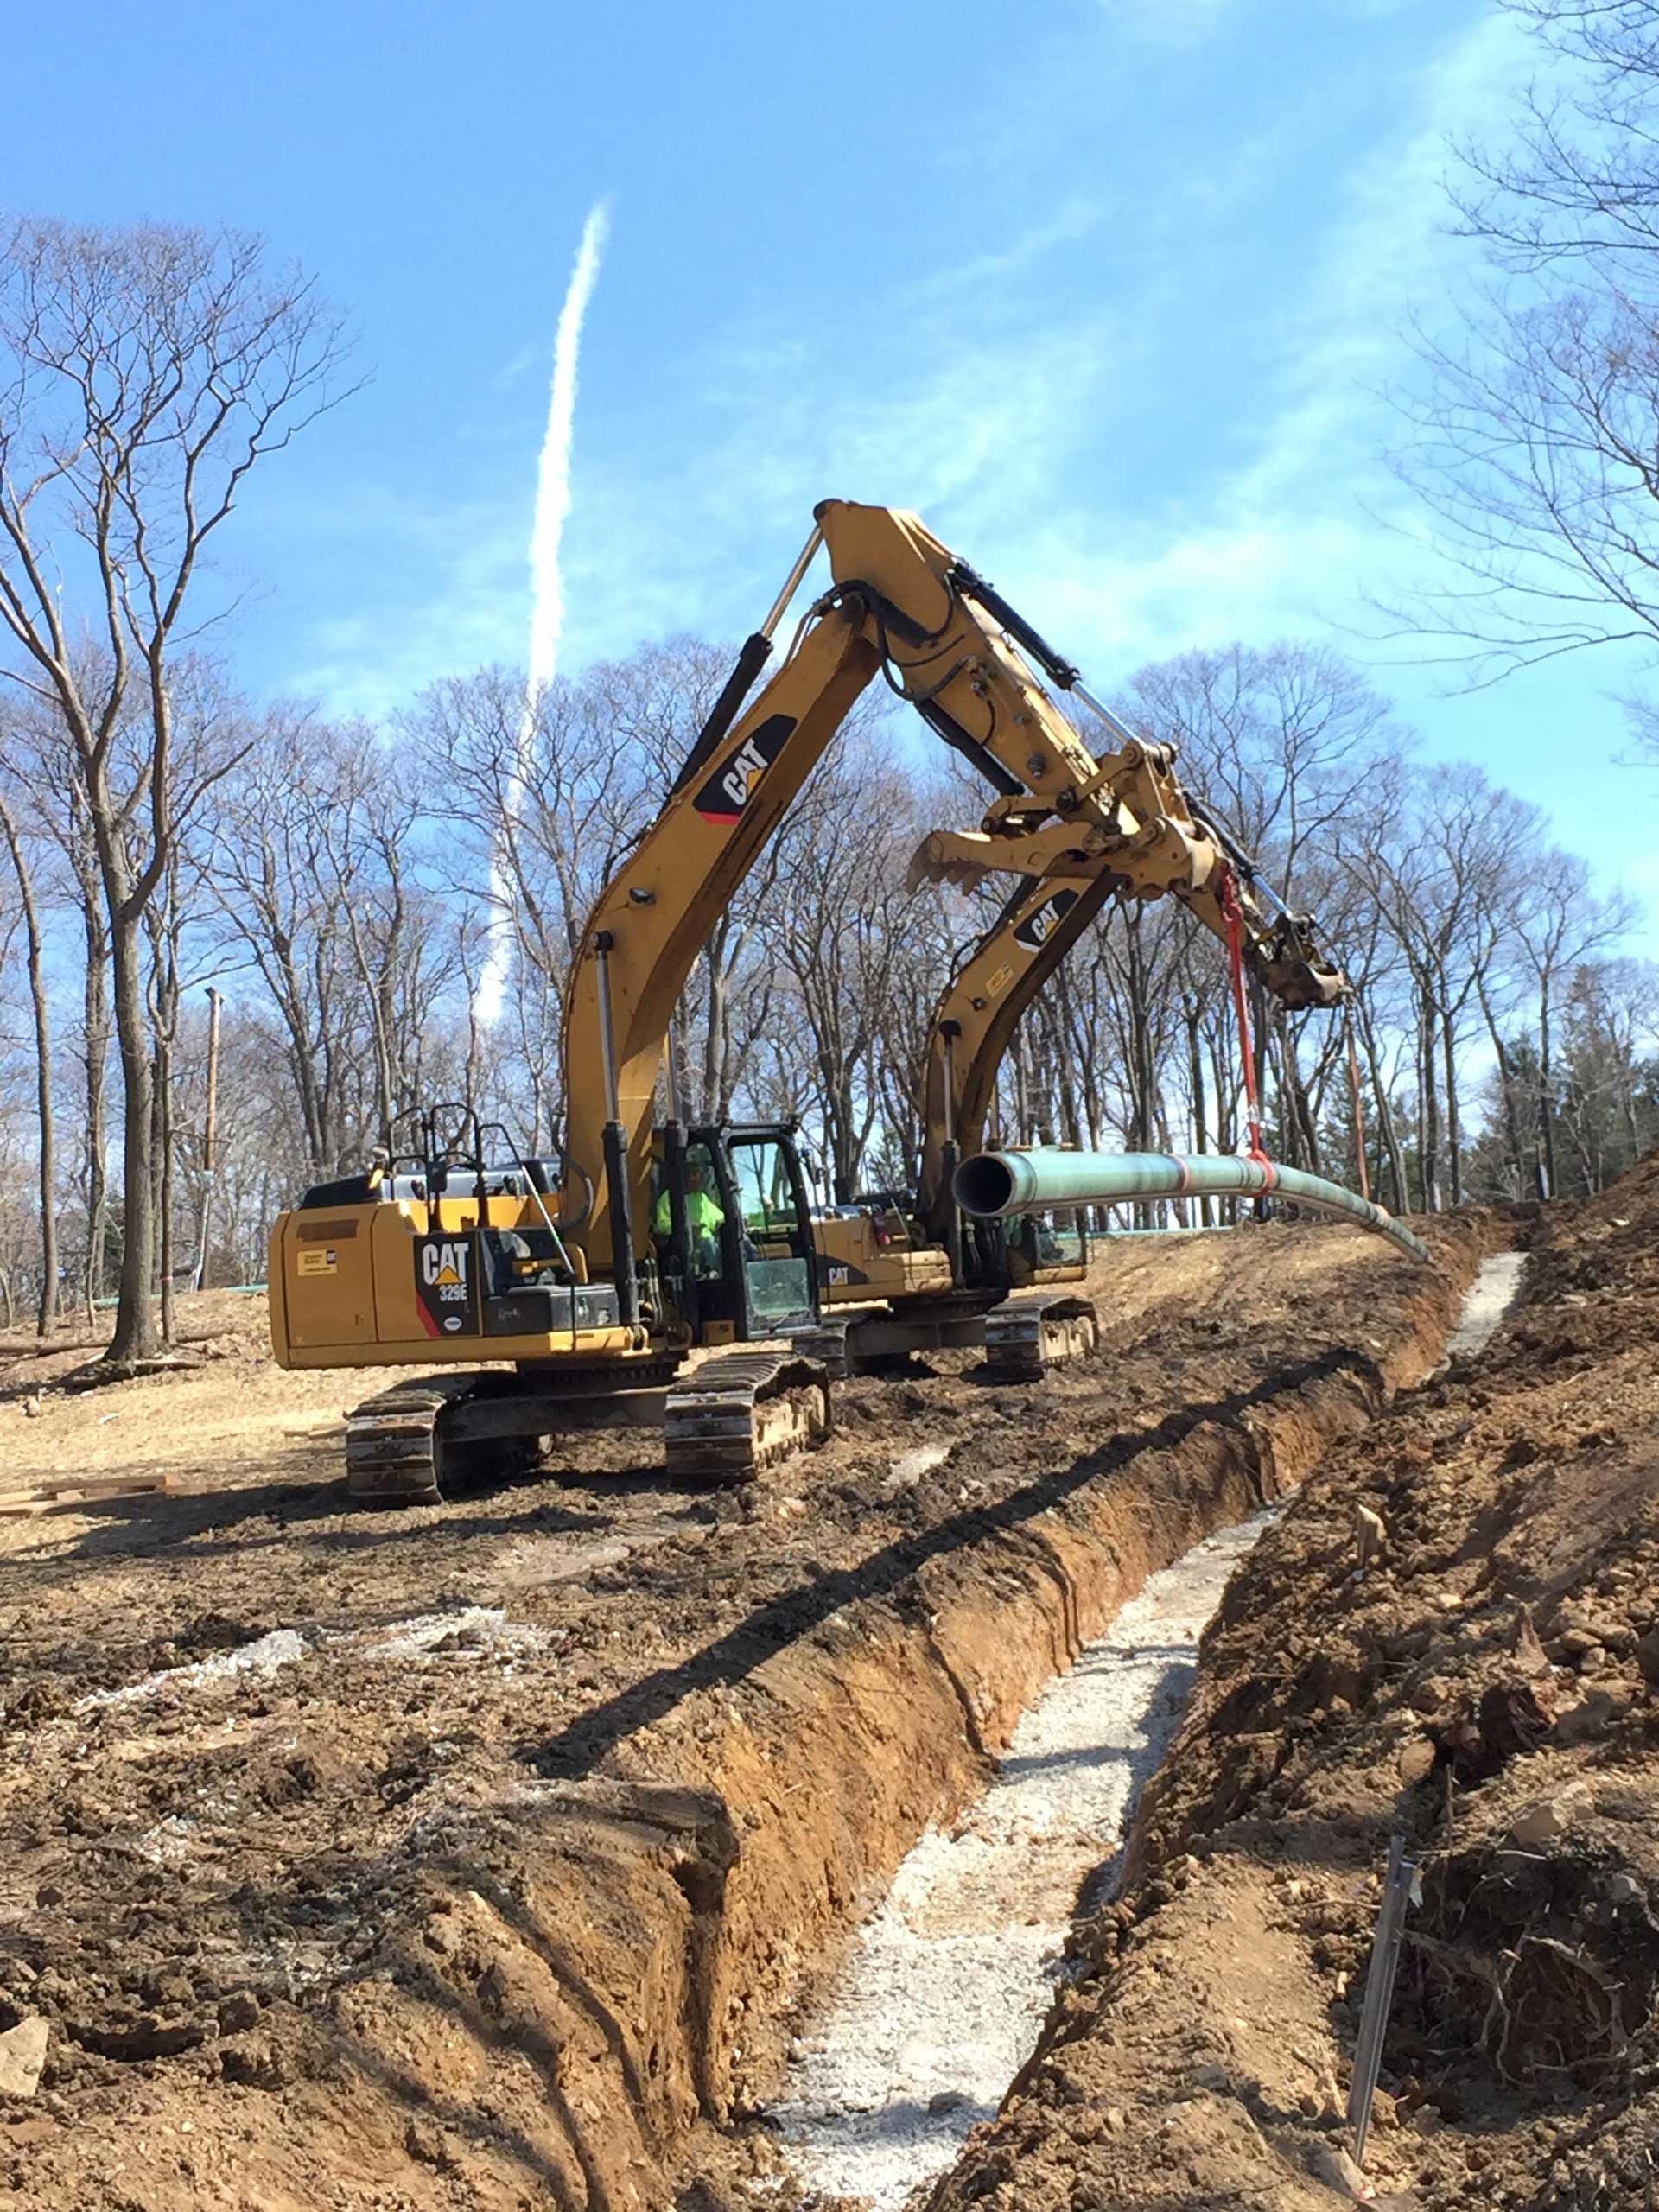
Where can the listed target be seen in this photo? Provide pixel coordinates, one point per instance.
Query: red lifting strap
(1227, 895)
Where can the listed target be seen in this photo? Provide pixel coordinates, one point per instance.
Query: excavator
(938, 1286)
(589, 1278)
(898, 1275)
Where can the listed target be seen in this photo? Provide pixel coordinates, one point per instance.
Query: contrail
(546, 583)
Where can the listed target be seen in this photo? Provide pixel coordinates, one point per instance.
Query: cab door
(777, 1249)
(767, 1282)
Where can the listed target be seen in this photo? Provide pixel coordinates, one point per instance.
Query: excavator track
(393, 1451)
(827, 1345)
(734, 1415)
(1032, 1331)
(404, 1447)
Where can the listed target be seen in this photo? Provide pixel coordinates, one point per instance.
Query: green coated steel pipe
(993, 1184)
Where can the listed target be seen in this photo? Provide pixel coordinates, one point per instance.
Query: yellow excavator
(908, 1250)
(899, 1277)
(591, 1277)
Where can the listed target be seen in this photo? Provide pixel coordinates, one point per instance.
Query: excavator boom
(900, 602)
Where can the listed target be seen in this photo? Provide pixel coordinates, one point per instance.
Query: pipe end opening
(984, 1185)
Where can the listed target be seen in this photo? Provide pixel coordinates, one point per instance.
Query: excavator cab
(732, 1229)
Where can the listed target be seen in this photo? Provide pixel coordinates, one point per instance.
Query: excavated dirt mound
(474, 1857)
(1483, 1687)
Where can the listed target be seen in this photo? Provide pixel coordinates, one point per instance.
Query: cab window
(775, 1252)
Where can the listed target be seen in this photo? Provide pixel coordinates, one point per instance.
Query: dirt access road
(474, 1857)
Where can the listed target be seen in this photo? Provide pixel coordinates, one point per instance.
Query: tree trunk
(1297, 1114)
(95, 1025)
(164, 1183)
(714, 1039)
(1546, 1105)
(1021, 1092)
(1506, 1093)
(1387, 1135)
(1453, 1127)
(1428, 1125)
(1195, 1077)
(1139, 1067)
(1070, 1093)
(136, 1337)
(46, 1312)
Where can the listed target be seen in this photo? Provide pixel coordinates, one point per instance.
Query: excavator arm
(1045, 912)
(957, 650)
(974, 1023)
(660, 907)
(902, 604)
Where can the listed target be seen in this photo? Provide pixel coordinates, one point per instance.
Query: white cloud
(1313, 521)
(466, 604)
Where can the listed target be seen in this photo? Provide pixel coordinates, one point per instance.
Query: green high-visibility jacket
(702, 1214)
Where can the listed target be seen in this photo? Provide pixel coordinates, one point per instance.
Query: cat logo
(724, 795)
(444, 1285)
(444, 1266)
(1036, 930)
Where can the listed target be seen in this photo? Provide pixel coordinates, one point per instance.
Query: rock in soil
(22, 2054)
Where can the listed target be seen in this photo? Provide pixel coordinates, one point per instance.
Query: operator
(704, 1218)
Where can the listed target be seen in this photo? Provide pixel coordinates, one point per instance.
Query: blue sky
(1106, 288)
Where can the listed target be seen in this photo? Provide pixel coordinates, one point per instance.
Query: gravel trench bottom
(944, 1996)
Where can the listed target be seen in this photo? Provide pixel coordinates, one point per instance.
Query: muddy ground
(1485, 1688)
(476, 1856)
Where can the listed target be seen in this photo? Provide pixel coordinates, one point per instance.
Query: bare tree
(833, 929)
(1561, 924)
(146, 372)
(1533, 442)
(46, 1308)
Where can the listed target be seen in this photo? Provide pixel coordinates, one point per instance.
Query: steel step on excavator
(592, 1276)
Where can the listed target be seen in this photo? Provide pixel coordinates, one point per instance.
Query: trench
(944, 1993)
(534, 1923)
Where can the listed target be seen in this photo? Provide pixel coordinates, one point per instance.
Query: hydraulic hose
(994, 1185)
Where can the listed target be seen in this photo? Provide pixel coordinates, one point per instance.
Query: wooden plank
(60, 1488)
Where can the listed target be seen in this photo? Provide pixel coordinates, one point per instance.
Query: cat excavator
(571, 1275)
(942, 1281)
(899, 1275)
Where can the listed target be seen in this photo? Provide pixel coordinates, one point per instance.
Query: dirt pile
(1485, 1686)
(472, 1857)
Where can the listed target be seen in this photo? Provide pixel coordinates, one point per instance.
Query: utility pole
(210, 1134)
